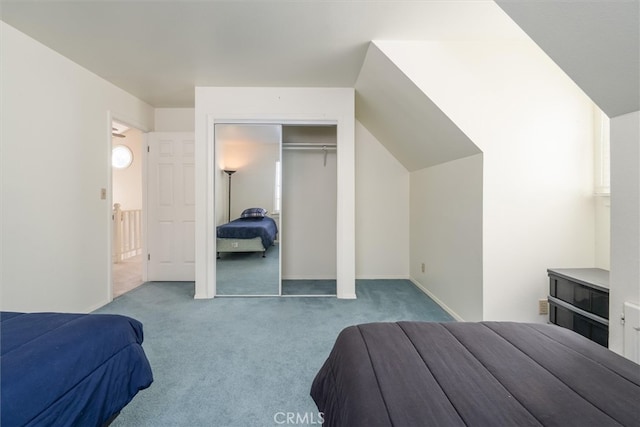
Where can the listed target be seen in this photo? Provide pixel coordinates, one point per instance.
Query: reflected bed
(249, 234)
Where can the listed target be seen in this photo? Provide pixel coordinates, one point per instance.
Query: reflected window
(278, 189)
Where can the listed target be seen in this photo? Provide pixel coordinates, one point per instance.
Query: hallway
(127, 275)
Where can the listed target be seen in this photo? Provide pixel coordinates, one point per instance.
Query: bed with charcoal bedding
(474, 374)
(60, 369)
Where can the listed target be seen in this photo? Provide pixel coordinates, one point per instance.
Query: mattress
(248, 228)
(474, 374)
(69, 369)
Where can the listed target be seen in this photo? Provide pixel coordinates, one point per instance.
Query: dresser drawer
(583, 297)
(586, 327)
(579, 300)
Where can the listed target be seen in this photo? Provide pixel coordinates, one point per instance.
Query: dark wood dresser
(579, 300)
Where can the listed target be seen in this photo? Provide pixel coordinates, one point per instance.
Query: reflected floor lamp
(229, 172)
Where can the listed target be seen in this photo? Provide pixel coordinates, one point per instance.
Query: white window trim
(602, 185)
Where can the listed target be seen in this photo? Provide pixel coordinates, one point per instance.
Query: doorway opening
(126, 187)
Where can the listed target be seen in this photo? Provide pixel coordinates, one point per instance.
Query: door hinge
(147, 148)
(148, 257)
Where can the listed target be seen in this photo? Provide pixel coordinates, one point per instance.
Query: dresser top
(592, 277)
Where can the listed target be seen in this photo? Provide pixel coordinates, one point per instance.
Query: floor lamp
(229, 172)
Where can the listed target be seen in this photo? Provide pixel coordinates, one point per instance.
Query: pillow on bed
(253, 213)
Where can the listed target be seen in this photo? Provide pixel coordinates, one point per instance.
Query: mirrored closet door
(248, 201)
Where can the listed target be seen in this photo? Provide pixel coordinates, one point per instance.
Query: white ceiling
(160, 50)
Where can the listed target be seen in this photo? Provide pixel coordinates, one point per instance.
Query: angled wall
(446, 235)
(534, 127)
(56, 145)
(382, 210)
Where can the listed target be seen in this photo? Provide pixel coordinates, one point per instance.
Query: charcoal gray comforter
(474, 374)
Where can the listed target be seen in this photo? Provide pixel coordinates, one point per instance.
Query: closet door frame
(345, 268)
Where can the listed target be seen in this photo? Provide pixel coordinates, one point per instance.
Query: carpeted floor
(309, 287)
(248, 273)
(241, 361)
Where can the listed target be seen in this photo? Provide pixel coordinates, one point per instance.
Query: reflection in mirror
(247, 209)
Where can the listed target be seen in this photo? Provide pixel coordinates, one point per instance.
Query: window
(602, 159)
(278, 190)
(121, 157)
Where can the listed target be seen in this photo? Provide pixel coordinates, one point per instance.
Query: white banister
(126, 233)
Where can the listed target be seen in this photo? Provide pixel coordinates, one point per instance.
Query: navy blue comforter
(250, 228)
(69, 369)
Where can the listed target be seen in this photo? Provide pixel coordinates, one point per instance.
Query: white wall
(625, 221)
(446, 235)
(331, 105)
(253, 184)
(382, 211)
(309, 214)
(535, 128)
(174, 119)
(56, 150)
(127, 183)
(602, 206)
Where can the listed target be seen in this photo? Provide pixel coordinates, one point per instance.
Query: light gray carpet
(241, 361)
(309, 287)
(248, 273)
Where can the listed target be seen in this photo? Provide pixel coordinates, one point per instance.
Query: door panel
(171, 207)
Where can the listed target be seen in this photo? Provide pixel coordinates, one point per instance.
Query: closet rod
(309, 144)
(314, 147)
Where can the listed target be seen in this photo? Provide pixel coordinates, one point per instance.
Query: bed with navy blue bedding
(69, 369)
(474, 374)
(264, 228)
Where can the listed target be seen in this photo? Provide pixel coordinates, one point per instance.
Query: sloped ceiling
(403, 118)
(597, 43)
(159, 50)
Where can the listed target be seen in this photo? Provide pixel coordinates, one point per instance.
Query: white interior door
(171, 207)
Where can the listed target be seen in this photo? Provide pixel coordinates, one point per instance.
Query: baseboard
(436, 299)
(308, 278)
(97, 306)
(347, 296)
(365, 277)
